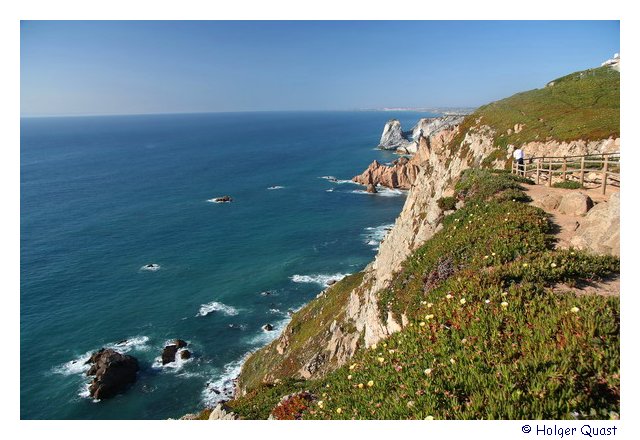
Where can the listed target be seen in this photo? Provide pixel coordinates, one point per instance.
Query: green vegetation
(567, 184)
(447, 203)
(582, 105)
(487, 337)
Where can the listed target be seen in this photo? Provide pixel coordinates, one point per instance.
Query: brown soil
(565, 226)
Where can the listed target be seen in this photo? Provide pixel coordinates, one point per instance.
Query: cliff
(392, 136)
(351, 318)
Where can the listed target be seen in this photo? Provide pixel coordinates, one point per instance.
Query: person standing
(518, 155)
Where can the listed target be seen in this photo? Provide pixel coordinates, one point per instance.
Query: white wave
(152, 267)
(216, 201)
(321, 279)
(375, 235)
(215, 306)
(275, 187)
(330, 190)
(382, 192)
(330, 178)
(266, 336)
(79, 365)
(223, 387)
(275, 311)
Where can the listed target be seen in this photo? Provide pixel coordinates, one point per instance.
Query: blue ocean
(102, 197)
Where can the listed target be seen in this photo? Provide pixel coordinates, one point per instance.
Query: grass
(567, 184)
(487, 338)
(582, 105)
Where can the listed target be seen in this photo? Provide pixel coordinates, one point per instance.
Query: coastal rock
(185, 354)
(400, 175)
(222, 412)
(599, 231)
(392, 136)
(223, 199)
(371, 188)
(267, 327)
(575, 203)
(113, 372)
(169, 354)
(430, 127)
(170, 351)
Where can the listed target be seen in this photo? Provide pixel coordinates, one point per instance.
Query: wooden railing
(605, 165)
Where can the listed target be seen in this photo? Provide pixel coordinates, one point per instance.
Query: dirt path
(565, 227)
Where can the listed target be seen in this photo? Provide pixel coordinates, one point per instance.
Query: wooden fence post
(604, 174)
(582, 172)
(550, 174)
(564, 168)
(538, 172)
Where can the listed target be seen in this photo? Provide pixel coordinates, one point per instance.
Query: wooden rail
(606, 165)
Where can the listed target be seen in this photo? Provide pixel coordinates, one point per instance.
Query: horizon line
(382, 109)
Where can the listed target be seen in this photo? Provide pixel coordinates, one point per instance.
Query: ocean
(102, 197)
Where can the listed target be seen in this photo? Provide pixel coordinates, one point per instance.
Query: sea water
(103, 197)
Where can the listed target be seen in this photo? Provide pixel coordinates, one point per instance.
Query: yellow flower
(464, 340)
(429, 418)
(493, 254)
(338, 410)
(324, 394)
(352, 366)
(381, 359)
(575, 309)
(504, 304)
(452, 360)
(449, 296)
(422, 324)
(370, 383)
(462, 301)
(525, 265)
(391, 351)
(486, 256)
(349, 377)
(360, 385)
(428, 317)
(374, 346)
(427, 371)
(423, 302)
(429, 305)
(320, 403)
(384, 345)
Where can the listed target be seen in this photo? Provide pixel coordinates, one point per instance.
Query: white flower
(449, 296)
(553, 264)
(487, 301)
(463, 301)
(504, 304)
(575, 309)
(429, 418)
(427, 371)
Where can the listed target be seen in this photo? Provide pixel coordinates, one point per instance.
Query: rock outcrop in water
(400, 174)
(392, 136)
(170, 351)
(113, 372)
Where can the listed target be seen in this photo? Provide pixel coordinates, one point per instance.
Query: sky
(137, 67)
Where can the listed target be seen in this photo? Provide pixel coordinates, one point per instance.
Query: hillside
(582, 105)
(457, 316)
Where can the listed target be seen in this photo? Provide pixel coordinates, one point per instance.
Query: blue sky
(130, 67)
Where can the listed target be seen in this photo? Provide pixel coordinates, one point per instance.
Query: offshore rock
(401, 174)
(392, 136)
(113, 372)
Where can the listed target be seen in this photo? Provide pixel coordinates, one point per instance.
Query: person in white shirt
(518, 155)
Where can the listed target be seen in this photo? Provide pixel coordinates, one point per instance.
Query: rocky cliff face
(429, 128)
(430, 174)
(392, 136)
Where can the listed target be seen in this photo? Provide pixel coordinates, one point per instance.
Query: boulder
(550, 201)
(371, 188)
(575, 203)
(169, 354)
(113, 372)
(599, 230)
(223, 199)
(267, 327)
(331, 282)
(180, 343)
(185, 354)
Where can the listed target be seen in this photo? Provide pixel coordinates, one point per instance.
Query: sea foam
(322, 279)
(382, 192)
(373, 236)
(215, 306)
